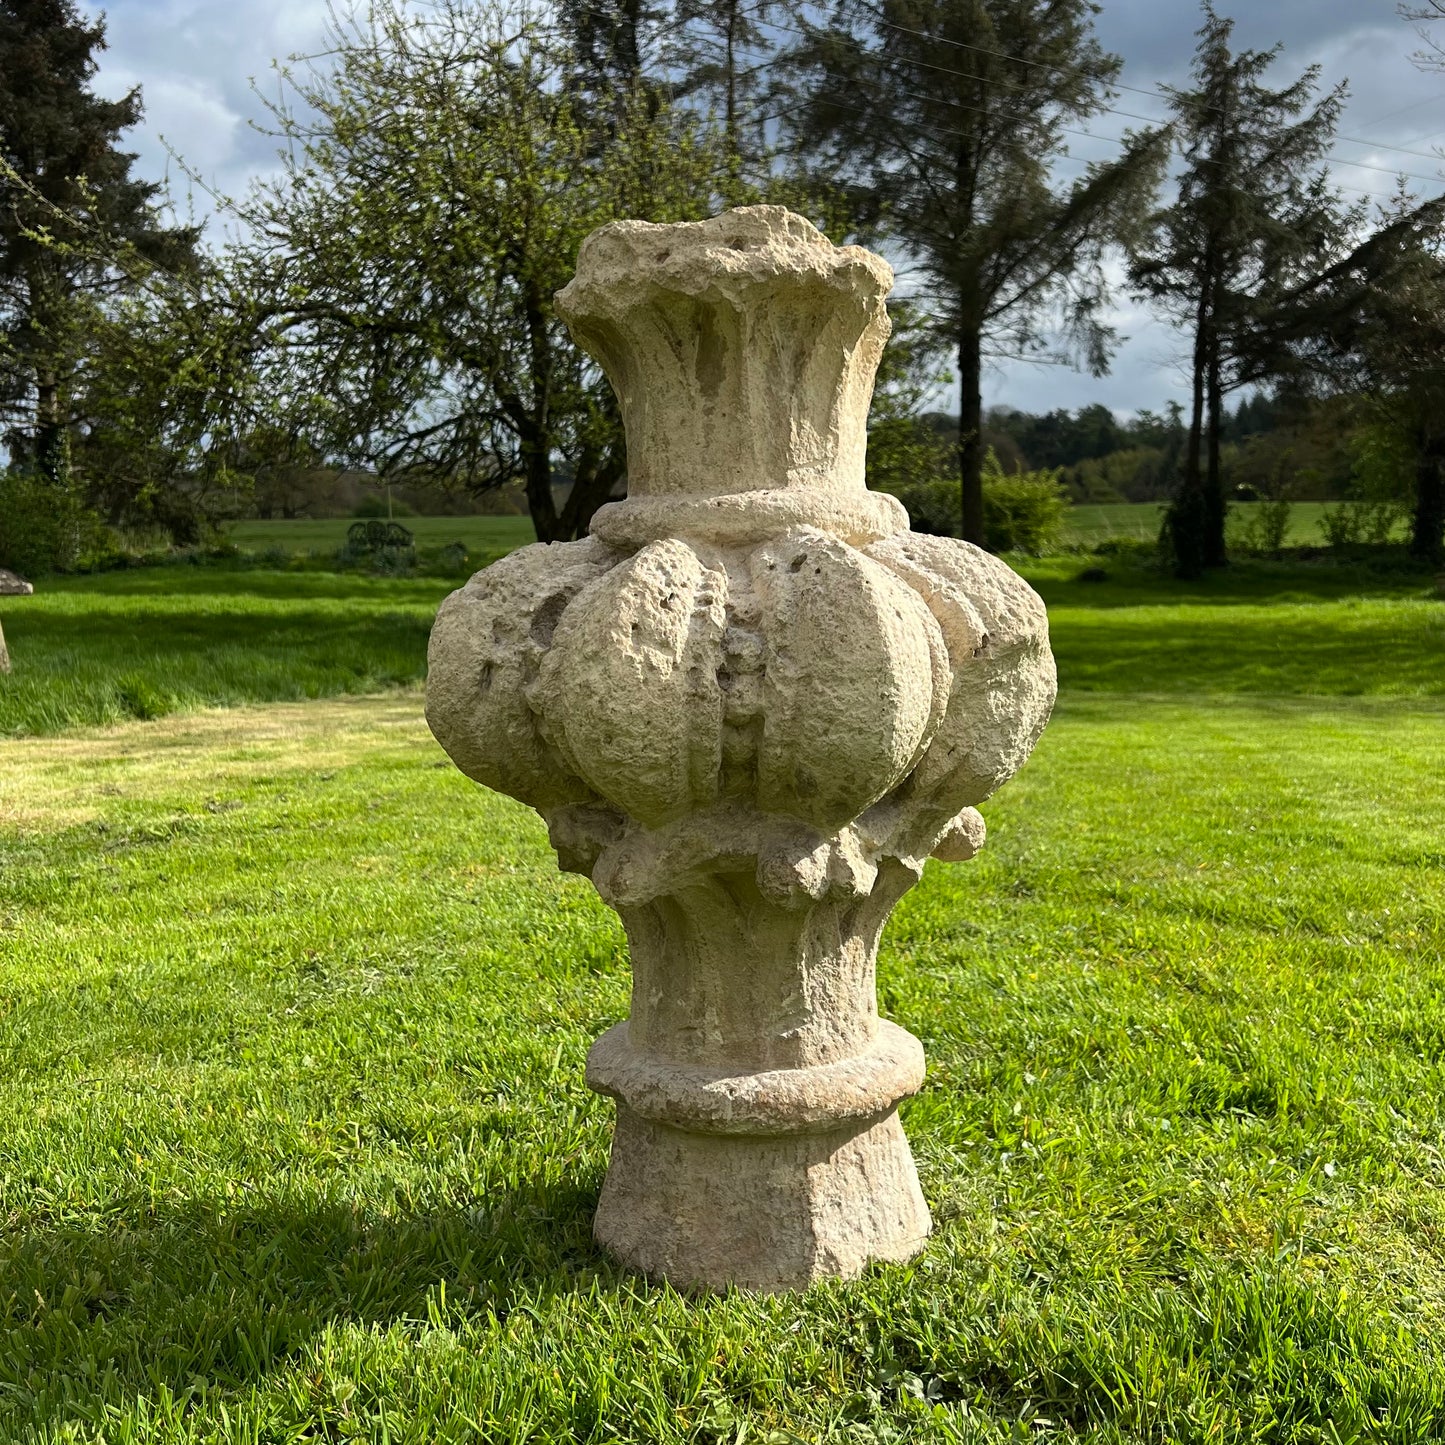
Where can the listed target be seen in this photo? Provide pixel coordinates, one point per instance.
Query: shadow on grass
(102, 649)
(106, 666)
(1105, 583)
(119, 637)
(282, 585)
(153, 1296)
(1387, 650)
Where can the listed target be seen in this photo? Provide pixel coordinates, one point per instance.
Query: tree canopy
(437, 183)
(68, 206)
(942, 120)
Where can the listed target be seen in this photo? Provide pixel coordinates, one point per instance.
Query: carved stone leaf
(1004, 680)
(752, 326)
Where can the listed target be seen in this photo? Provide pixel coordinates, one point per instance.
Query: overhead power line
(757, 10)
(842, 104)
(1157, 93)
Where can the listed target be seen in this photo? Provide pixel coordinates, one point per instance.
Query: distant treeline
(382, 302)
(1300, 449)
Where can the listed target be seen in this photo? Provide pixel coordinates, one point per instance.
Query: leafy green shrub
(44, 529)
(1381, 517)
(1382, 461)
(386, 548)
(1022, 511)
(1264, 529)
(934, 507)
(907, 452)
(453, 560)
(1351, 523)
(1341, 525)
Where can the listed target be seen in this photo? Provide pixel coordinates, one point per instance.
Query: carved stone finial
(750, 705)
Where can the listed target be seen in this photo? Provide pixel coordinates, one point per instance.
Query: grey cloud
(195, 61)
(1157, 40)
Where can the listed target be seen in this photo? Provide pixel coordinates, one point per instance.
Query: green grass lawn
(147, 642)
(480, 535)
(1085, 526)
(1091, 523)
(150, 641)
(296, 1145)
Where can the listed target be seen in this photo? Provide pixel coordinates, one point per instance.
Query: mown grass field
(151, 641)
(481, 536)
(147, 642)
(1085, 526)
(296, 1145)
(1088, 524)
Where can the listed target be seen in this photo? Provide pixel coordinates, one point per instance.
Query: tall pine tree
(723, 52)
(1427, 534)
(944, 119)
(1372, 324)
(614, 53)
(68, 206)
(1253, 219)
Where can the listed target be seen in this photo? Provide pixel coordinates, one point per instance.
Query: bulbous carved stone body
(750, 705)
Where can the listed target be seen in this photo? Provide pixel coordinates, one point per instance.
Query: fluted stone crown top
(742, 350)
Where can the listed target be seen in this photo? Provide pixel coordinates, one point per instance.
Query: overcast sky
(196, 61)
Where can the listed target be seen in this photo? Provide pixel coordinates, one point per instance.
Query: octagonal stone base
(772, 1212)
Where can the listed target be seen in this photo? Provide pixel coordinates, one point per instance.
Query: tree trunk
(537, 479)
(4, 655)
(1212, 548)
(592, 486)
(733, 140)
(1427, 531)
(1184, 521)
(52, 437)
(536, 431)
(970, 436)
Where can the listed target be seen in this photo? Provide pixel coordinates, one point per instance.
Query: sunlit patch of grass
(1090, 523)
(480, 535)
(145, 643)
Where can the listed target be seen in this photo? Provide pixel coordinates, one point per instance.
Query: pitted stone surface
(755, 328)
(10, 586)
(749, 706)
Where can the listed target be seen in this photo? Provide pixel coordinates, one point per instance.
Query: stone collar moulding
(749, 706)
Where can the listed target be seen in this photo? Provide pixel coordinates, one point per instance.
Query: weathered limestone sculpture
(750, 705)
